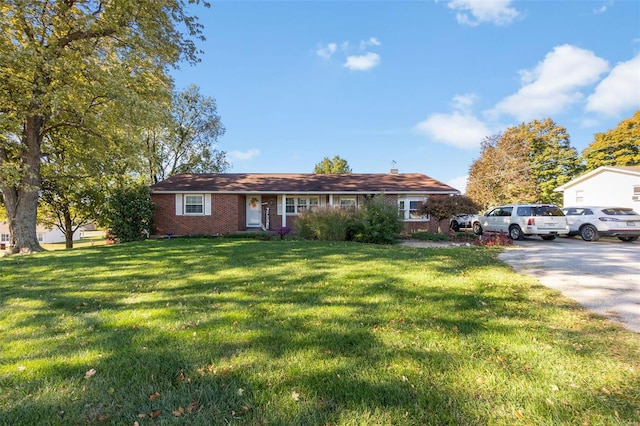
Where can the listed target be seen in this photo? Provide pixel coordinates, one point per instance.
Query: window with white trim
(579, 195)
(347, 202)
(193, 204)
(302, 204)
(5, 238)
(40, 237)
(408, 208)
(298, 203)
(636, 193)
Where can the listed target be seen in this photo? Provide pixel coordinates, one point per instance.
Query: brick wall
(227, 216)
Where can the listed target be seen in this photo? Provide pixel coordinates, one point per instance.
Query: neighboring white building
(604, 186)
(45, 235)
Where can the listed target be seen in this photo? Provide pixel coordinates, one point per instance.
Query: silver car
(523, 220)
(593, 222)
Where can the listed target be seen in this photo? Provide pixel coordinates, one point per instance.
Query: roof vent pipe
(393, 171)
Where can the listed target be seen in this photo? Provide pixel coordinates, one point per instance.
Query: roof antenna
(394, 170)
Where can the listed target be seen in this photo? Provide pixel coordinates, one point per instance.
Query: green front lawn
(222, 331)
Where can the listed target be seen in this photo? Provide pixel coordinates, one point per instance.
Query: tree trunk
(68, 229)
(21, 198)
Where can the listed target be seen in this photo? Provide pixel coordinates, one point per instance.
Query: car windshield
(619, 212)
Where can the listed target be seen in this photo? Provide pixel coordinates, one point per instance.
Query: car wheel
(629, 239)
(477, 228)
(515, 232)
(455, 226)
(589, 233)
(548, 237)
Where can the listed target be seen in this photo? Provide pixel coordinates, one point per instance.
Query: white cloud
(371, 42)
(459, 183)
(464, 102)
(462, 130)
(363, 62)
(475, 12)
(553, 84)
(243, 155)
(619, 91)
(327, 51)
(603, 8)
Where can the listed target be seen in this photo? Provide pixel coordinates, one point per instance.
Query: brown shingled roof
(303, 183)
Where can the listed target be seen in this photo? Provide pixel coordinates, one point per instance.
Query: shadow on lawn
(290, 338)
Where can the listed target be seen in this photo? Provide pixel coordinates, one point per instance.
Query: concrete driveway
(603, 276)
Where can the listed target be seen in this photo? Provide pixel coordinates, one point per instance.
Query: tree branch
(84, 35)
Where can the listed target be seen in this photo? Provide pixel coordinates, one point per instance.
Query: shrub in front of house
(377, 222)
(128, 213)
(325, 224)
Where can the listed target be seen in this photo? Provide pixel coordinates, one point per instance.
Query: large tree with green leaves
(333, 166)
(60, 60)
(186, 141)
(616, 147)
(523, 164)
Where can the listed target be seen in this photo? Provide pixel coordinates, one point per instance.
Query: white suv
(524, 220)
(592, 222)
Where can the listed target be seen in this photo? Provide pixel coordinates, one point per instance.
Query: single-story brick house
(226, 203)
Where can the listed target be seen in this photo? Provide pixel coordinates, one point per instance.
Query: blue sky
(413, 84)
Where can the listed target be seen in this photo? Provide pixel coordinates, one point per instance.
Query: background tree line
(527, 162)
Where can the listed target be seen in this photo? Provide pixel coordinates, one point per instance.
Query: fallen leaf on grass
(142, 415)
(178, 412)
(154, 396)
(90, 373)
(192, 406)
(518, 414)
(605, 390)
(102, 417)
(295, 395)
(154, 414)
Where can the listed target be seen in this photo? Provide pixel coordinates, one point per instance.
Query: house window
(4, 238)
(408, 208)
(297, 205)
(347, 202)
(193, 204)
(40, 237)
(302, 204)
(291, 205)
(579, 196)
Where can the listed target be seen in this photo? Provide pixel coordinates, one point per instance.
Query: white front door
(254, 211)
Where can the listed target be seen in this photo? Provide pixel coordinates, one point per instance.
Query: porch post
(331, 200)
(284, 210)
